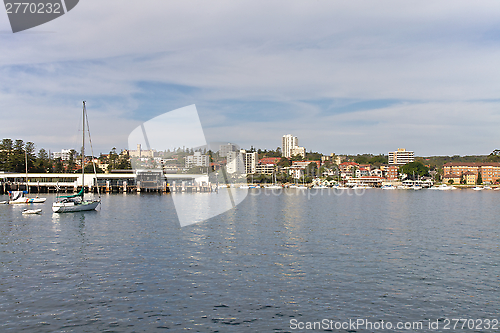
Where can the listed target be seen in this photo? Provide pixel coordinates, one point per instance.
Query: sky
(345, 77)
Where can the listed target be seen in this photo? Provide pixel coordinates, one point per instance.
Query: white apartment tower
(235, 163)
(242, 162)
(197, 160)
(401, 157)
(250, 160)
(290, 147)
(224, 149)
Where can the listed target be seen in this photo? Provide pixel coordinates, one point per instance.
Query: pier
(130, 182)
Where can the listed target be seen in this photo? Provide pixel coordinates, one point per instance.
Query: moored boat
(32, 211)
(77, 202)
(17, 197)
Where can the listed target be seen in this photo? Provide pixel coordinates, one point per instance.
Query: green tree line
(13, 156)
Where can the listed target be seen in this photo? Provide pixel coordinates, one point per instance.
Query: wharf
(139, 181)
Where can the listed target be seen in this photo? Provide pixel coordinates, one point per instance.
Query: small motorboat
(32, 211)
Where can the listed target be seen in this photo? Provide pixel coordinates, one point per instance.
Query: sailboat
(77, 202)
(274, 184)
(17, 197)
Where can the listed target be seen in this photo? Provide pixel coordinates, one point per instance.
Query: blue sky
(345, 77)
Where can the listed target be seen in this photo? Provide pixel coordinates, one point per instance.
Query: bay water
(275, 263)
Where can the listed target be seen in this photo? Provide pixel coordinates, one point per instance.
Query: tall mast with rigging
(83, 151)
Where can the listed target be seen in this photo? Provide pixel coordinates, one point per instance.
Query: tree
(378, 160)
(71, 162)
(361, 159)
(89, 168)
(314, 156)
(17, 160)
(29, 148)
(59, 168)
(284, 162)
(479, 180)
(412, 168)
(451, 181)
(6, 150)
(312, 169)
(42, 162)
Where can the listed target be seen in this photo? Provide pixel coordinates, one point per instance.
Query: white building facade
(242, 162)
(197, 160)
(224, 149)
(401, 157)
(290, 146)
(64, 154)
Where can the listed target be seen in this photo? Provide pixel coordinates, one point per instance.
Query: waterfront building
(391, 172)
(470, 178)
(266, 169)
(451, 177)
(401, 157)
(367, 180)
(490, 171)
(290, 147)
(197, 160)
(64, 154)
(296, 171)
(362, 172)
(224, 149)
(377, 173)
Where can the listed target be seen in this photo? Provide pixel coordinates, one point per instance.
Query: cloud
(275, 66)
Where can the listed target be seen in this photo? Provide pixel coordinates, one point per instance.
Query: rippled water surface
(385, 255)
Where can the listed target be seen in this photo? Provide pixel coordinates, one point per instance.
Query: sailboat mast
(83, 150)
(26, 164)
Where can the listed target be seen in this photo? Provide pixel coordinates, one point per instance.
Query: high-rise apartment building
(235, 163)
(242, 162)
(290, 146)
(401, 157)
(224, 149)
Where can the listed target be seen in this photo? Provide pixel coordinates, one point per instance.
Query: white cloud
(441, 56)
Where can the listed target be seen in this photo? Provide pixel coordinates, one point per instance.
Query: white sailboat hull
(24, 200)
(68, 207)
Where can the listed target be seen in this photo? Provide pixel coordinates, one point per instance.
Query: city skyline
(344, 77)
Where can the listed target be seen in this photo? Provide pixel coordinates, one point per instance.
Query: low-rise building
(451, 179)
(266, 169)
(391, 172)
(197, 160)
